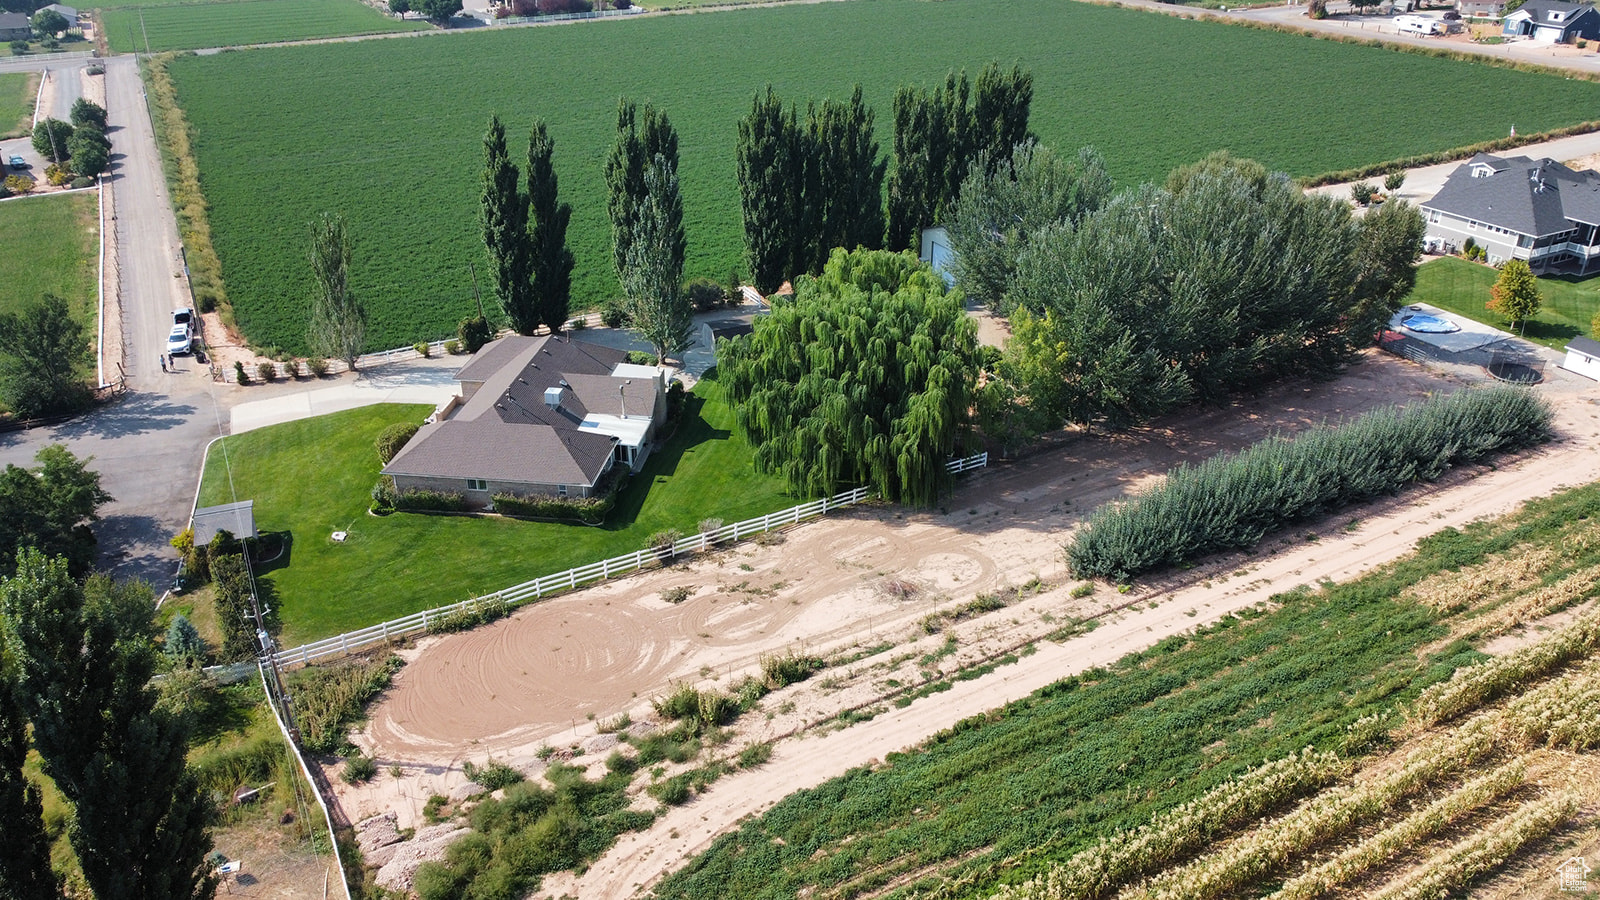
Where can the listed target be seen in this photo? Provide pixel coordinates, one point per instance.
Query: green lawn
(1463, 288)
(313, 477)
(390, 133)
(16, 104)
(234, 23)
(52, 245)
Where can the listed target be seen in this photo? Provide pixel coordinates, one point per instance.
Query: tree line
(77, 653)
(1123, 305)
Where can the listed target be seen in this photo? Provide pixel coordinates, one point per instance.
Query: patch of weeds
(1079, 591)
(947, 648)
(359, 769)
(676, 595)
(492, 775)
(754, 755)
(432, 811)
(612, 726)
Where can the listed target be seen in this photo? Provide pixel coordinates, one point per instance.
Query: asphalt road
(148, 447)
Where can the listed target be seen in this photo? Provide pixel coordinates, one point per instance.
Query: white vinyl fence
(528, 591)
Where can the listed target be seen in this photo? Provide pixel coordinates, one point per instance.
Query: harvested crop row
(1561, 714)
(1126, 855)
(1482, 852)
(1329, 814)
(1356, 860)
(1551, 598)
(1515, 570)
(1232, 501)
(1472, 686)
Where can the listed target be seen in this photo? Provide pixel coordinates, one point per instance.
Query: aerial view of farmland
(284, 135)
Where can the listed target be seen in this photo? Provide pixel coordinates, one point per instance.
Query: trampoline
(1426, 324)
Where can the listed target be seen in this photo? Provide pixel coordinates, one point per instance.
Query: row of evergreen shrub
(588, 510)
(430, 501)
(1231, 501)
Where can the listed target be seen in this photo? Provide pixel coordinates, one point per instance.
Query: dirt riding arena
(545, 676)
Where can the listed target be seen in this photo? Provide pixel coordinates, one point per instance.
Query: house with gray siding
(14, 27)
(1552, 22)
(1519, 208)
(536, 416)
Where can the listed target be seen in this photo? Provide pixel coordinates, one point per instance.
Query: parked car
(181, 340)
(18, 162)
(183, 317)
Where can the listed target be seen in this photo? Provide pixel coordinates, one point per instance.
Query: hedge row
(1231, 501)
(588, 510)
(430, 501)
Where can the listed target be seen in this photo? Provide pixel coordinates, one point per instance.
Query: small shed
(67, 12)
(936, 250)
(1583, 357)
(724, 328)
(238, 519)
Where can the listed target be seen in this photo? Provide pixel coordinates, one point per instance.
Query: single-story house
(723, 328)
(1481, 9)
(1519, 208)
(536, 416)
(1583, 357)
(1553, 22)
(14, 27)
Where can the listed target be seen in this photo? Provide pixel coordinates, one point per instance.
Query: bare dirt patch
(536, 678)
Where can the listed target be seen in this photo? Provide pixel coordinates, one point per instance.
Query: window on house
(1472, 224)
(561, 490)
(1433, 216)
(477, 484)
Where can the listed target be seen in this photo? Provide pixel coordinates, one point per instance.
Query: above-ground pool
(1426, 324)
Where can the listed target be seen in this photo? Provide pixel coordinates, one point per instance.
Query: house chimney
(622, 391)
(552, 397)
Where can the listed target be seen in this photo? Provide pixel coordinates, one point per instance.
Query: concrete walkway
(418, 381)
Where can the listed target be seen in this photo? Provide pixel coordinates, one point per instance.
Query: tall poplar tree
(25, 863)
(550, 260)
(769, 164)
(848, 184)
(652, 279)
(338, 326)
(84, 655)
(914, 168)
(641, 137)
(1000, 104)
(504, 215)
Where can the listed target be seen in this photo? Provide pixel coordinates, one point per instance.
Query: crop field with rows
(232, 23)
(389, 133)
(1350, 741)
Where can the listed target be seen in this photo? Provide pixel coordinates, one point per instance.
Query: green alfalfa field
(167, 26)
(389, 133)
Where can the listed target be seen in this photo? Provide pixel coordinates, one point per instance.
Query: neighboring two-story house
(536, 416)
(1520, 208)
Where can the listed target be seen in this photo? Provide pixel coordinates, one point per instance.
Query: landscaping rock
(464, 790)
(378, 831)
(428, 845)
(600, 743)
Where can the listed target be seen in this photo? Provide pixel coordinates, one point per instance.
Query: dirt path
(536, 677)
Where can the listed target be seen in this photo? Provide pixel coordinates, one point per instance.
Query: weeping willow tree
(866, 376)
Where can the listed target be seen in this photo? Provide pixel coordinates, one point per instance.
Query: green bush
(317, 366)
(358, 769)
(430, 501)
(1363, 193)
(267, 371)
(705, 294)
(1231, 501)
(641, 358)
(588, 510)
(621, 762)
(452, 347)
(392, 439)
(423, 349)
(474, 332)
(790, 668)
(492, 776)
(673, 791)
(614, 314)
(82, 181)
(663, 540)
(481, 613)
(754, 755)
